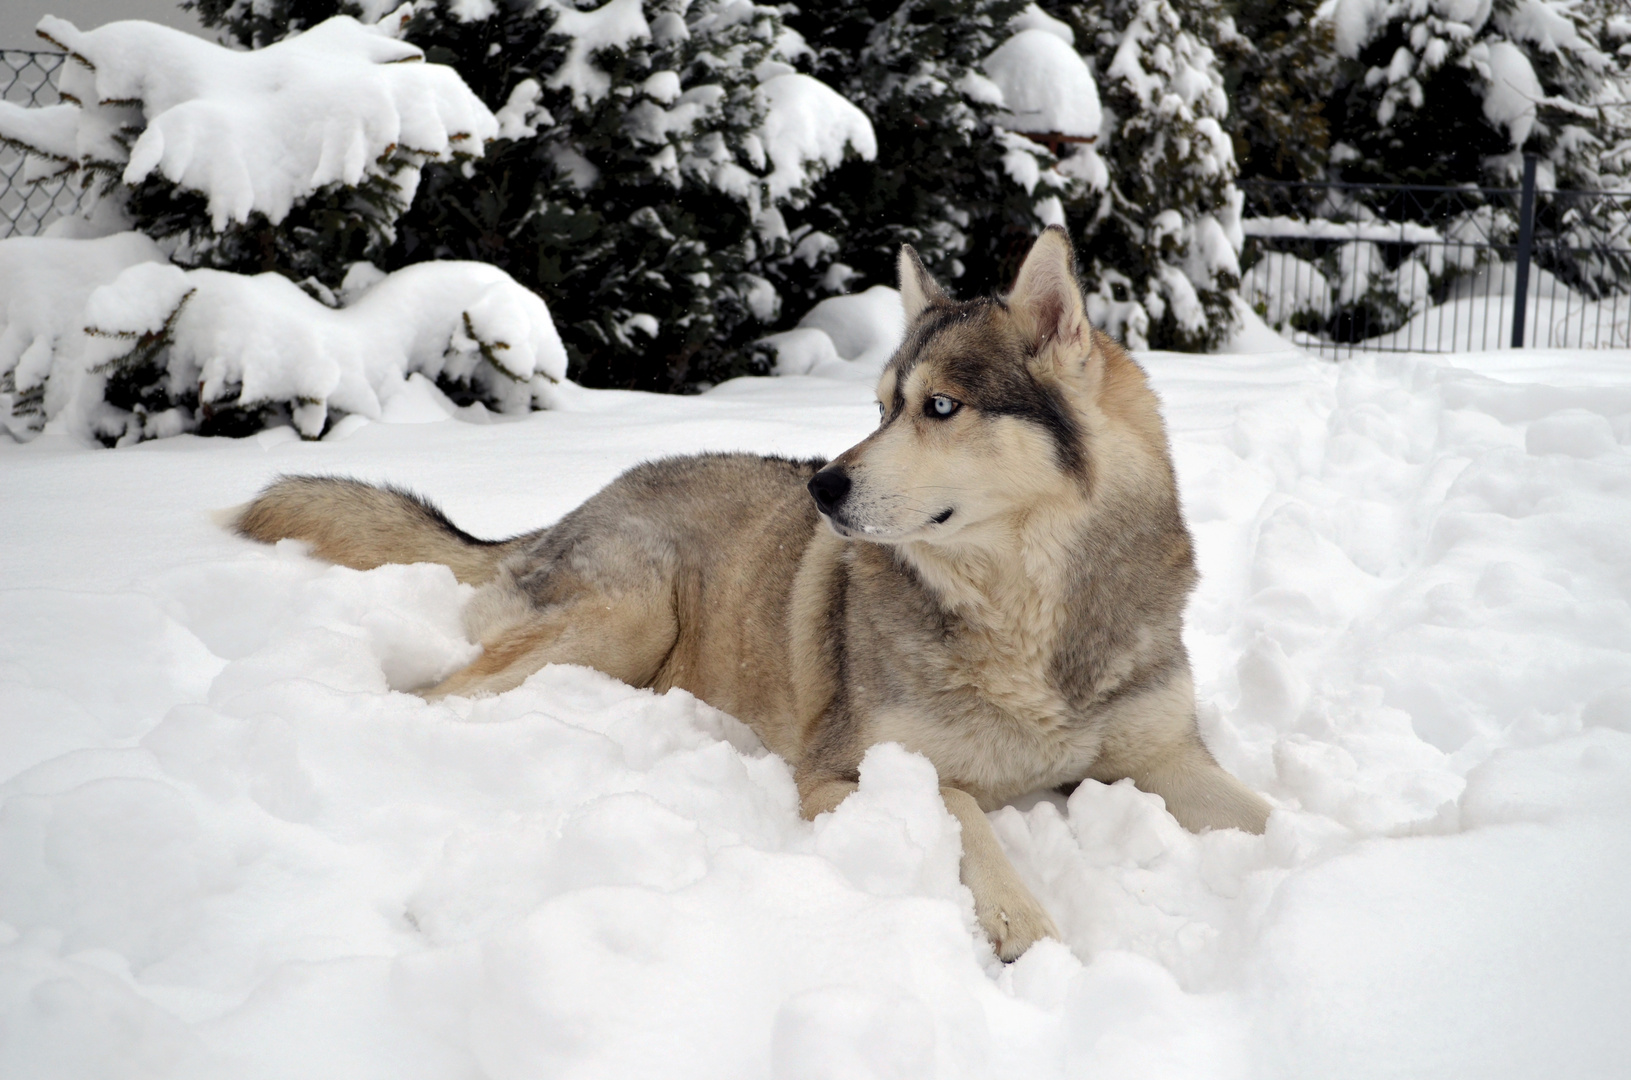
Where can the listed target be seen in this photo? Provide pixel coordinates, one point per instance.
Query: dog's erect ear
(1046, 301)
(918, 291)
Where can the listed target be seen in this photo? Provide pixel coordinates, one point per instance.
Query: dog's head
(989, 409)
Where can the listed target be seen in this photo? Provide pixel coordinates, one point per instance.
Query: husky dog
(994, 578)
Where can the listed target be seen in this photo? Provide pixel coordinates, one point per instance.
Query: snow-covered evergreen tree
(1279, 67)
(1161, 246)
(154, 332)
(654, 149)
(950, 178)
(634, 209)
(1457, 91)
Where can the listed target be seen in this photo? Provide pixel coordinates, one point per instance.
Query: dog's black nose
(827, 487)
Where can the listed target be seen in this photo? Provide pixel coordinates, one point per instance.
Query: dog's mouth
(880, 534)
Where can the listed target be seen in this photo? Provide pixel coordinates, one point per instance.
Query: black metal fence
(1343, 268)
(28, 78)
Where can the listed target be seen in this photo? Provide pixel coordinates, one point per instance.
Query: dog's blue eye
(881, 410)
(941, 406)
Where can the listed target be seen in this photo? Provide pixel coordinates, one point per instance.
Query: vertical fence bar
(1526, 237)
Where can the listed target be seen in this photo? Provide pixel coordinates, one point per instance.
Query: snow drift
(230, 847)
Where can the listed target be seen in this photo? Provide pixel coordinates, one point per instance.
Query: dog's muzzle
(828, 487)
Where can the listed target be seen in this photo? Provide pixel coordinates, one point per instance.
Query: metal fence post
(1526, 237)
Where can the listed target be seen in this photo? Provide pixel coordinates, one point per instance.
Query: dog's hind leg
(1011, 917)
(1199, 792)
(1154, 741)
(627, 636)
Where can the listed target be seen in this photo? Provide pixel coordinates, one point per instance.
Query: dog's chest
(986, 710)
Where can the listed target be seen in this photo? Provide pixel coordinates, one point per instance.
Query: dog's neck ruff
(1008, 578)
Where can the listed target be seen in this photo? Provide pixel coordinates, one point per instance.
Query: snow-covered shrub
(1290, 293)
(1348, 274)
(44, 283)
(298, 157)
(843, 337)
(653, 148)
(115, 343)
(226, 161)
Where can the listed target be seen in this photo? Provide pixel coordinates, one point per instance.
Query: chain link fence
(29, 78)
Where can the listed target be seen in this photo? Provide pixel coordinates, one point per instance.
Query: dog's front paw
(1014, 923)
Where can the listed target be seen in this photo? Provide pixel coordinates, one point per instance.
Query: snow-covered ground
(230, 847)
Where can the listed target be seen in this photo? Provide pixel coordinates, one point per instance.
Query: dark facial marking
(988, 370)
(1003, 390)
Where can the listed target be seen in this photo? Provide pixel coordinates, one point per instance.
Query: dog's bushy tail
(363, 526)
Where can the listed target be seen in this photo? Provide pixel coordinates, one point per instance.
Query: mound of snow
(806, 121)
(843, 337)
(1512, 92)
(1046, 85)
(252, 131)
(1478, 314)
(44, 284)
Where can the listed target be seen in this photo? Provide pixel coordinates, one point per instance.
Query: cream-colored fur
(995, 578)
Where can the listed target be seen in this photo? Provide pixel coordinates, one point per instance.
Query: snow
(44, 284)
(615, 25)
(1542, 24)
(1046, 85)
(806, 121)
(1478, 315)
(843, 337)
(231, 847)
(254, 131)
(50, 132)
(1282, 285)
(1034, 18)
(521, 116)
(1512, 90)
(74, 306)
(1386, 232)
(1356, 22)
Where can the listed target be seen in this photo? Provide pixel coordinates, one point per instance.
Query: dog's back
(678, 573)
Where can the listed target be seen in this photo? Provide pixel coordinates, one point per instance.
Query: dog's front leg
(1012, 918)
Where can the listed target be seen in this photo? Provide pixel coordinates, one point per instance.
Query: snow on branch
(251, 131)
(1046, 86)
(808, 122)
